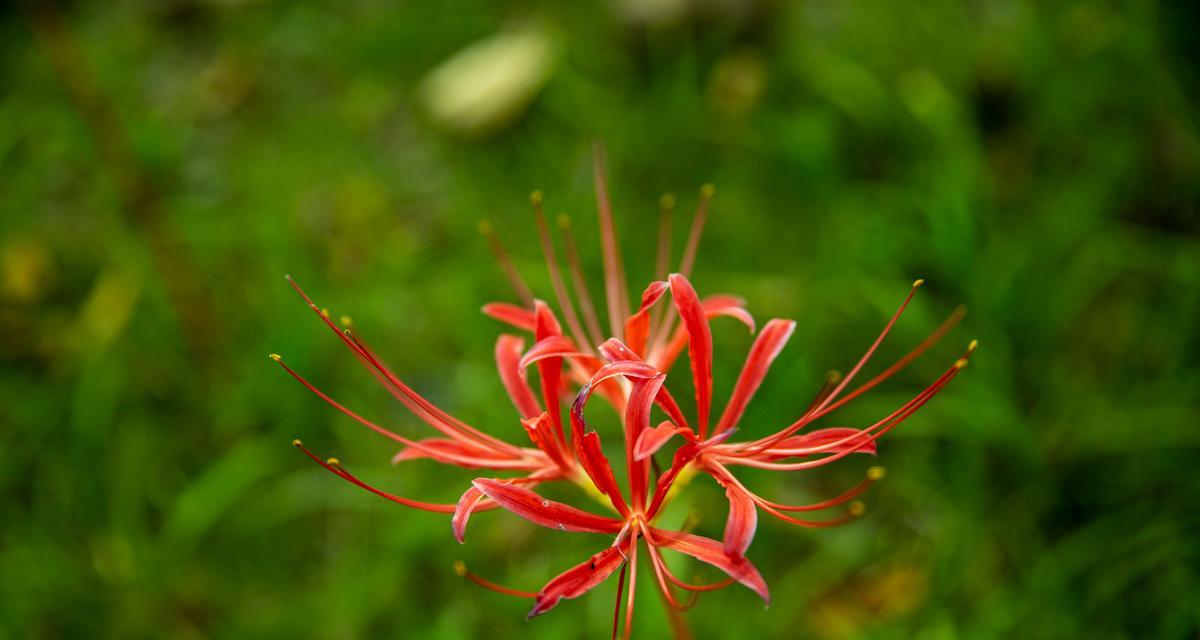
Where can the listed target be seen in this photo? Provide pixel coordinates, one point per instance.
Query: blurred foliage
(165, 163)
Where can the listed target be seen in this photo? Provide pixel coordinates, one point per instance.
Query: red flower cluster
(628, 370)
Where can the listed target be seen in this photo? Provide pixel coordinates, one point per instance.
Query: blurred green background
(163, 165)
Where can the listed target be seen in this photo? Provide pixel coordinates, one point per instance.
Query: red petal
(683, 455)
(766, 347)
(724, 304)
(714, 306)
(699, 346)
(741, 523)
(508, 357)
(597, 467)
(652, 440)
(519, 317)
(467, 505)
(549, 514)
(577, 580)
(711, 552)
(549, 369)
(637, 420)
(541, 432)
(551, 346)
(615, 350)
(587, 445)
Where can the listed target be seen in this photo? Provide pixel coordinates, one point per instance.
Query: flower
(628, 369)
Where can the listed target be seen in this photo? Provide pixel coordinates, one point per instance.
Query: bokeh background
(164, 164)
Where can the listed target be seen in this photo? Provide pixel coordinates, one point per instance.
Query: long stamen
(616, 291)
(875, 345)
(689, 258)
(874, 474)
(633, 558)
(413, 401)
(506, 264)
(831, 380)
(693, 242)
(811, 414)
(575, 265)
(461, 569)
(617, 606)
(662, 259)
(335, 467)
(382, 430)
(854, 510)
(556, 280)
(949, 323)
(874, 432)
(663, 587)
(651, 546)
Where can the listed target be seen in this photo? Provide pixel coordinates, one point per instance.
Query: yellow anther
(564, 221)
(460, 568)
(275, 356)
(536, 197)
(918, 282)
(960, 363)
(333, 462)
(971, 347)
(667, 201)
(346, 321)
(297, 443)
(325, 313)
(708, 190)
(875, 474)
(833, 376)
(485, 227)
(857, 508)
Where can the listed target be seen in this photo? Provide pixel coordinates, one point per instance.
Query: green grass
(165, 164)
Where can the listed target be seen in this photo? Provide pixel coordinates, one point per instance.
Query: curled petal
(711, 552)
(547, 513)
(724, 304)
(652, 440)
(541, 432)
(615, 350)
(467, 505)
(741, 523)
(511, 314)
(508, 356)
(552, 346)
(577, 580)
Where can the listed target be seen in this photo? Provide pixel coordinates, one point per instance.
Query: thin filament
(556, 279)
(506, 264)
(575, 265)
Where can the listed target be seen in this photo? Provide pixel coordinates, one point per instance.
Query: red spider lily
(628, 370)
